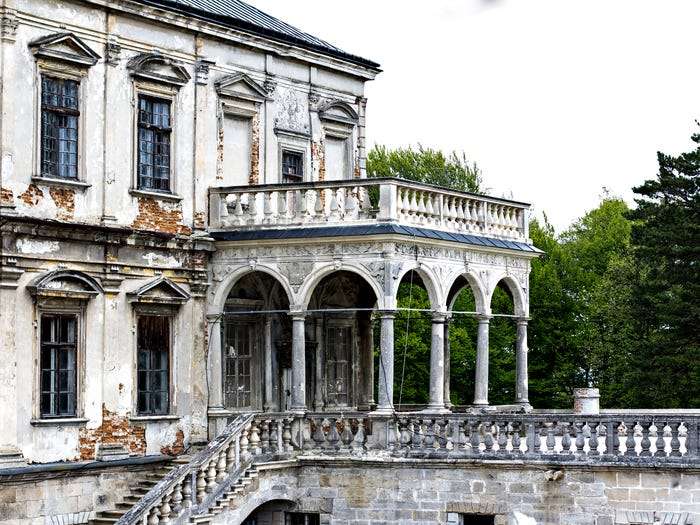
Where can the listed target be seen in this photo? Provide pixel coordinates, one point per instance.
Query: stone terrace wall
(399, 493)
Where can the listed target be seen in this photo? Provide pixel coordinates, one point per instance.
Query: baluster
(429, 209)
(421, 207)
(254, 439)
(211, 475)
(267, 207)
(451, 434)
(333, 437)
(281, 207)
(660, 442)
(265, 436)
(287, 435)
(308, 444)
(177, 500)
(252, 208)
(460, 442)
(221, 466)
(153, 516)
(675, 441)
(502, 439)
(223, 206)
(187, 492)
(475, 438)
(346, 434)
(350, 204)
(580, 441)
(536, 439)
(646, 442)
(165, 508)
(231, 455)
(358, 441)
(238, 210)
(417, 439)
(429, 438)
(550, 440)
(404, 435)
(630, 444)
(201, 484)
(319, 212)
(566, 439)
(692, 437)
(610, 436)
(274, 437)
(462, 214)
(593, 439)
(515, 439)
(334, 208)
(448, 211)
(488, 437)
(245, 455)
(616, 438)
(318, 435)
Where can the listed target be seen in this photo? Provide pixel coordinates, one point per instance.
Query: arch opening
(502, 339)
(339, 343)
(256, 344)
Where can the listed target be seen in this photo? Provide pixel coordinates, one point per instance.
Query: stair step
(100, 521)
(111, 514)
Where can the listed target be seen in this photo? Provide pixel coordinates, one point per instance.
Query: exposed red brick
(220, 152)
(153, 217)
(114, 429)
(177, 447)
(32, 195)
(318, 154)
(6, 196)
(357, 173)
(255, 151)
(65, 202)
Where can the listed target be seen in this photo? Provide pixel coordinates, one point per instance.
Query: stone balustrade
(366, 201)
(627, 438)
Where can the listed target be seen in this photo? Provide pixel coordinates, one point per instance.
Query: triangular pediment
(161, 290)
(241, 85)
(158, 68)
(65, 47)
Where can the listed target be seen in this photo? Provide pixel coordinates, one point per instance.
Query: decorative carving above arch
(65, 284)
(158, 68)
(338, 112)
(64, 47)
(159, 291)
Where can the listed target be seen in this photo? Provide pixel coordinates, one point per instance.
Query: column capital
(522, 320)
(297, 315)
(386, 314)
(439, 317)
(483, 318)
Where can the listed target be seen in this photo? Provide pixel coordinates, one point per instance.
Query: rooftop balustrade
(366, 202)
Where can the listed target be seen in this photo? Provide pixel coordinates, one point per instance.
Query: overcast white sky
(554, 99)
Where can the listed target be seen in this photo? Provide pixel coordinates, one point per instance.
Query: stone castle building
(196, 275)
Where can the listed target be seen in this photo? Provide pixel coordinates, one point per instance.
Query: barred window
(153, 341)
(292, 166)
(59, 128)
(58, 365)
(154, 128)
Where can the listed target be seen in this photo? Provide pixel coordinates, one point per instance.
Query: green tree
(425, 165)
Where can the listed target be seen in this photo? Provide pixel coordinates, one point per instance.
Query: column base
(436, 409)
(383, 411)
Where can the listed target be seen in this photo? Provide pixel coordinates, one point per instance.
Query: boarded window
(292, 166)
(59, 334)
(153, 342)
(59, 128)
(337, 161)
(240, 349)
(154, 129)
(237, 150)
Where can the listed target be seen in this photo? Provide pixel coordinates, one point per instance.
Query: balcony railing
(366, 201)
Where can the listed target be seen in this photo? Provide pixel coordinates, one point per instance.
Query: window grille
(292, 166)
(153, 342)
(154, 129)
(58, 365)
(59, 128)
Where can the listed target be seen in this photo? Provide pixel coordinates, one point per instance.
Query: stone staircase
(231, 499)
(137, 491)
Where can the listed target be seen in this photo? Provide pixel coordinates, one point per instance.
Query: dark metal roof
(239, 15)
(371, 229)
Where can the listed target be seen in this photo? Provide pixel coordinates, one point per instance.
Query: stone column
(216, 353)
(448, 400)
(481, 384)
(521, 390)
(319, 365)
(267, 348)
(386, 363)
(298, 362)
(437, 364)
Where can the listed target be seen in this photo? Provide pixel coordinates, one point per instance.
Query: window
(153, 346)
(302, 518)
(338, 364)
(292, 166)
(241, 340)
(476, 519)
(58, 365)
(59, 128)
(154, 129)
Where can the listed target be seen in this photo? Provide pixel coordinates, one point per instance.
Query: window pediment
(158, 68)
(339, 112)
(64, 47)
(241, 86)
(66, 284)
(159, 291)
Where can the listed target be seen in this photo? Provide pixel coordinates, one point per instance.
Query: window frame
(164, 93)
(59, 71)
(168, 390)
(55, 307)
(59, 111)
(285, 150)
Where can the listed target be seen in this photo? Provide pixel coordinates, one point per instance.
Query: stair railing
(187, 490)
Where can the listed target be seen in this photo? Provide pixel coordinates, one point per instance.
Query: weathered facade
(192, 254)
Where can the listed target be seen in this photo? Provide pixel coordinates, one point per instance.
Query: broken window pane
(59, 128)
(154, 128)
(58, 365)
(153, 374)
(292, 166)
